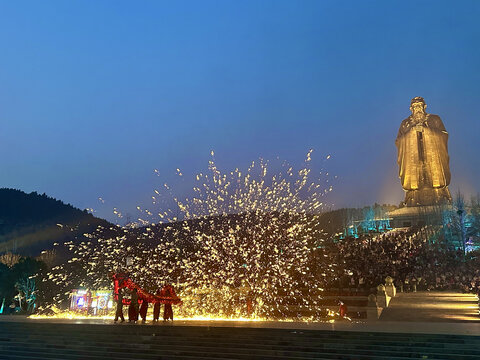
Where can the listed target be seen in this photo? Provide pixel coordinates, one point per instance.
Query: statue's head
(418, 106)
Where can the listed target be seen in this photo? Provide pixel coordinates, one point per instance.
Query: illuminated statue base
(409, 216)
(427, 197)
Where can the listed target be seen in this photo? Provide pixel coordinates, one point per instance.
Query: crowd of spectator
(417, 259)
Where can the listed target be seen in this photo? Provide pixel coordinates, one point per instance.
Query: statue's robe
(423, 160)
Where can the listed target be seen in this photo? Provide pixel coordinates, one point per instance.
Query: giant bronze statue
(423, 157)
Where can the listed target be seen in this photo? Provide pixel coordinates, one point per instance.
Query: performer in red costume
(169, 294)
(342, 309)
(166, 296)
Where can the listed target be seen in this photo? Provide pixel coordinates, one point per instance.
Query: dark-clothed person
(168, 292)
(119, 312)
(133, 308)
(168, 312)
(156, 308)
(143, 310)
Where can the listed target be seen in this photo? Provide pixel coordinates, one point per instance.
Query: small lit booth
(93, 302)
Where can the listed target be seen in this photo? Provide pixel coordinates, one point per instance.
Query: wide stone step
(21, 354)
(181, 355)
(461, 344)
(146, 332)
(297, 344)
(175, 330)
(31, 340)
(152, 349)
(156, 348)
(219, 353)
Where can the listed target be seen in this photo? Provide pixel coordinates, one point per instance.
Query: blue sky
(95, 95)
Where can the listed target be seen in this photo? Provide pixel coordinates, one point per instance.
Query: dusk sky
(95, 95)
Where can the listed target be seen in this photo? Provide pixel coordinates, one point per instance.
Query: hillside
(30, 223)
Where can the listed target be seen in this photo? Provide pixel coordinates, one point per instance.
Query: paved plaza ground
(419, 312)
(433, 307)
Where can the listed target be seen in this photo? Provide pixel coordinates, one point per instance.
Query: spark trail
(245, 237)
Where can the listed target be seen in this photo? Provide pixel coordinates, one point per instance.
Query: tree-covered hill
(30, 223)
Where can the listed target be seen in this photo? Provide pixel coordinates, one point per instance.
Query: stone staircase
(37, 340)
